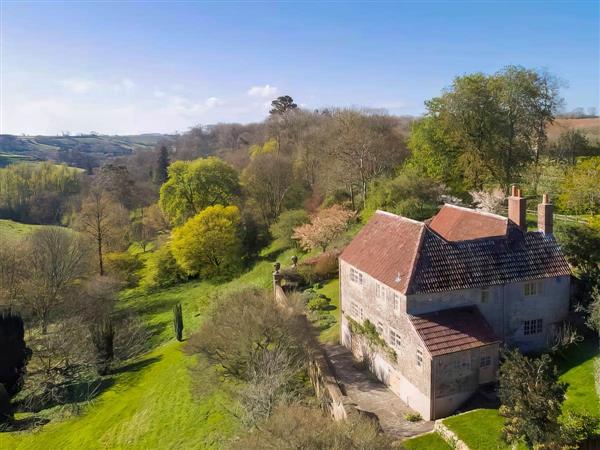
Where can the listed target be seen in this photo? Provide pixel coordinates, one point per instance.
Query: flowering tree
(323, 228)
(489, 201)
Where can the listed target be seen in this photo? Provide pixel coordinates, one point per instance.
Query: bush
(162, 270)
(320, 268)
(299, 427)
(283, 229)
(123, 266)
(318, 303)
(413, 417)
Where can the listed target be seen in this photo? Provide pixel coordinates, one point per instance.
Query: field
(10, 230)
(149, 403)
(589, 126)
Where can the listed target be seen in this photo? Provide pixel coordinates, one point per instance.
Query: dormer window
(356, 276)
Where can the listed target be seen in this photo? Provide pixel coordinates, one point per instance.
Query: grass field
(429, 441)
(10, 230)
(149, 404)
(331, 289)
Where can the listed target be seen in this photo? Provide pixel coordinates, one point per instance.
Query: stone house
(444, 294)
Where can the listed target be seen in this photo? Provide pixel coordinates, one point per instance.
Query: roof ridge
(396, 216)
(477, 211)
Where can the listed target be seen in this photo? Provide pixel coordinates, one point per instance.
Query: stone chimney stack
(517, 207)
(545, 213)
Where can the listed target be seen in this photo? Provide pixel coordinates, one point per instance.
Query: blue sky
(132, 67)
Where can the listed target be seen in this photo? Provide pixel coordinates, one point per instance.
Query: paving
(372, 396)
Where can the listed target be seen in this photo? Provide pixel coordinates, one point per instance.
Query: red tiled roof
(386, 249)
(453, 330)
(411, 258)
(455, 223)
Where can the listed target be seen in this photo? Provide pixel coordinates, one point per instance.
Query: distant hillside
(73, 149)
(589, 126)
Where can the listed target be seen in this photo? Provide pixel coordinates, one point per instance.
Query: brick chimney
(545, 213)
(517, 207)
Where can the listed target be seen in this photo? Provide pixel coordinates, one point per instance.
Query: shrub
(283, 229)
(15, 354)
(162, 270)
(317, 303)
(413, 417)
(123, 266)
(320, 268)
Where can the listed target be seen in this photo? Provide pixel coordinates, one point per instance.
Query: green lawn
(331, 289)
(429, 441)
(10, 230)
(577, 369)
(149, 404)
(481, 428)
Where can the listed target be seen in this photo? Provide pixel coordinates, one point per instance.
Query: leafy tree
(531, 398)
(580, 193)
(209, 243)
(270, 146)
(495, 124)
(195, 185)
(570, 144)
(324, 227)
(102, 220)
(409, 195)
(162, 165)
(288, 221)
(162, 269)
(282, 105)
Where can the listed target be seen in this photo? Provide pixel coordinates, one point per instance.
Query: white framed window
(485, 361)
(532, 288)
(396, 302)
(356, 311)
(532, 327)
(395, 340)
(379, 291)
(380, 328)
(356, 276)
(419, 357)
(485, 295)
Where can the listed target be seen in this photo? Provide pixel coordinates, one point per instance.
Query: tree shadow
(578, 354)
(136, 366)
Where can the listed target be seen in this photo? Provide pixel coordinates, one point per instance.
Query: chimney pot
(517, 208)
(545, 215)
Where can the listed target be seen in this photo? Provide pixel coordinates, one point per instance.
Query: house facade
(443, 295)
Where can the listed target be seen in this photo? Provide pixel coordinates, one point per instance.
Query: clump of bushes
(162, 270)
(413, 417)
(124, 267)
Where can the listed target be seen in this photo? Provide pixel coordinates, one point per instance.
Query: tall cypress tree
(14, 353)
(162, 165)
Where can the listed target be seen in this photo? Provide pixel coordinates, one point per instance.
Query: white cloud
(213, 102)
(263, 91)
(79, 85)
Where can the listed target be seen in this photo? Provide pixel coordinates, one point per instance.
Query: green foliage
(577, 427)
(369, 331)
(283, 229)
(37, 192)
(178, 322)
(409, 194)
(195, 185)
(318, 302)
(123, 266)
(282, 105)
(162, 270)
(413, 417)
(581, 245)
(209, 243)
(161, 173)
(580, 192)
(429, 441)
(569, 145)
(270, 146)
(531, 397)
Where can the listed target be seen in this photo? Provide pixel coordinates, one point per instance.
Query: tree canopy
(195, 185)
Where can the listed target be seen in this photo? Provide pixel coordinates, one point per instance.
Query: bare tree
(104, 222)
(56, 259)
(12, 273)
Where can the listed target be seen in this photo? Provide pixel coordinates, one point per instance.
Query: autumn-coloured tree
(209, 243)
(323, 228)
